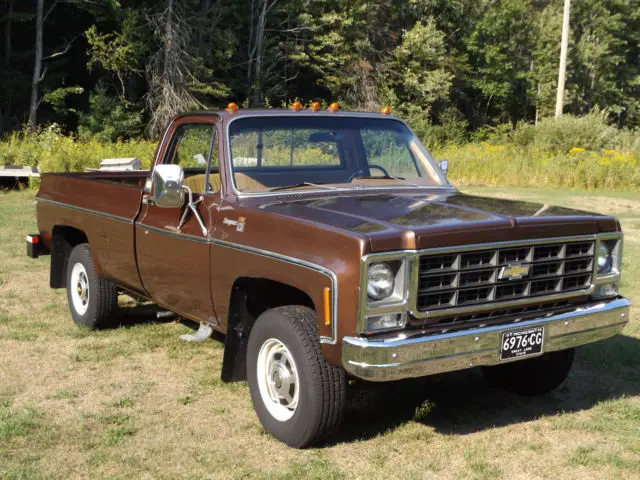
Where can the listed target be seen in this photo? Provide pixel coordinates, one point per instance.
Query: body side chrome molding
(303, 263)
(176, 234)
(86, 210)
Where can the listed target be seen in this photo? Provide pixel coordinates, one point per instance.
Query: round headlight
(380, 282)
(605, 260)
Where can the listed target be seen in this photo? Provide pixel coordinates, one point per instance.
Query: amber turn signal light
(334, 107)
(232, 107)
(296, 106)
(315, 107)
(385, 110)
(326, 297)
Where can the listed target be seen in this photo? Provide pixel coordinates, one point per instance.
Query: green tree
(500, 51)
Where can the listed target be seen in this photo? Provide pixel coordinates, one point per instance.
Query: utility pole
(564, 47)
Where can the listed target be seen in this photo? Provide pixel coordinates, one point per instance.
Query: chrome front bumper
(401, 357)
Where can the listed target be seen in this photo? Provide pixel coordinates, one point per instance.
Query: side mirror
(444, 167)
(167, 186)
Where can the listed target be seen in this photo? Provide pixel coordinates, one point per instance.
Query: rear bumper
(401, 357)
(35, 247)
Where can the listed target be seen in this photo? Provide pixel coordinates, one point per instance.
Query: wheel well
(250, 297)
(63, 239)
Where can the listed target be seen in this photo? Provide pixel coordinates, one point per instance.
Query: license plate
(521, 343)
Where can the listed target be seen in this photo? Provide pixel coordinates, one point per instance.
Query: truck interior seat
(243, 182)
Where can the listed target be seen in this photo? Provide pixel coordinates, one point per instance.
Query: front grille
(479, 277)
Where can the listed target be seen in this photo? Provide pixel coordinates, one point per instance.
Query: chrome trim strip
(85, 210)
(402, 357)
(281, 113)
(296, 261)
(176, 234)
(512, 243)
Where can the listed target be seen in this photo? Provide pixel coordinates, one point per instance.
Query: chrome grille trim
(472, 276)
(412, 257)
(548, 263)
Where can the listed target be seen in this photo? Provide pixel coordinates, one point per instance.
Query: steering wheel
(361, 172)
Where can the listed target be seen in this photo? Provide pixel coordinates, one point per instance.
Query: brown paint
(193, 274)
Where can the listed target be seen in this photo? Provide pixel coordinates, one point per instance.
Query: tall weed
(52, 151)
(510, 165)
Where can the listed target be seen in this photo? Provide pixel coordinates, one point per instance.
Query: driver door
(174, 262)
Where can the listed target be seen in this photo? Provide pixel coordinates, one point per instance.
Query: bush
(52, 151)
(591, 132)
(452, 130)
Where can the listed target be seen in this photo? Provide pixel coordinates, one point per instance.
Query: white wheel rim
(79, 289)
(278, 380)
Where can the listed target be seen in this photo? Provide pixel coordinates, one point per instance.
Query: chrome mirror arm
(191, 206)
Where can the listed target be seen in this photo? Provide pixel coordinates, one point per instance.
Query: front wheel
(534, 376)
(298, 397)
(92, 299)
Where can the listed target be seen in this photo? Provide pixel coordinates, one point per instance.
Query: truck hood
(400, 220)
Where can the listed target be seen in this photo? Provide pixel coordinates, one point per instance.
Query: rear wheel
(534, 376)
(92, 299)
(298, 397)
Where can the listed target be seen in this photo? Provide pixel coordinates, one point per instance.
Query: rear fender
(63, 239)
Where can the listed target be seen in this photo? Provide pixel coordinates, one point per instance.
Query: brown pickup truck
(326, 244)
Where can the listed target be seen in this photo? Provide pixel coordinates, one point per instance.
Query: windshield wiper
(303, 184)
(387, 177)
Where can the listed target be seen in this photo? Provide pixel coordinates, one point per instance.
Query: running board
(203, 333)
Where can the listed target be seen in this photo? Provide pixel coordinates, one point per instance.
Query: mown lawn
(136, 402)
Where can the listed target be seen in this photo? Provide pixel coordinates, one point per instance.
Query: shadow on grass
(129, 316)
(146, 314)
(460, 403)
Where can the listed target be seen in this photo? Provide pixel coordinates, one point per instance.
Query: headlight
(605, 257)
(380, 281)
(608, 256)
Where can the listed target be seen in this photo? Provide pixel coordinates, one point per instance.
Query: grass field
(136, 402)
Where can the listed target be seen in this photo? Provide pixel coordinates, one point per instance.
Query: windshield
(278, 153)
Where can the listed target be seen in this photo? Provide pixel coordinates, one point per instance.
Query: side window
(191, 146)
(190, 150)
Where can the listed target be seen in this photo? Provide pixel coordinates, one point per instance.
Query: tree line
(121, 68)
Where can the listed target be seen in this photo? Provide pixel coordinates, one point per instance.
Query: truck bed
(104, 205)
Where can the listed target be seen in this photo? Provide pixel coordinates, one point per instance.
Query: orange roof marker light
(334, 107)
(296, 106)
(385, 110)
(232, 107)
(315, 107)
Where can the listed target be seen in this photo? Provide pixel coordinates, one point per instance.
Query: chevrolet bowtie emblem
(514, 271)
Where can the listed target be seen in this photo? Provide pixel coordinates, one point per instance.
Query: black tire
(535, 376)
(321, 386)
(102, 295)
